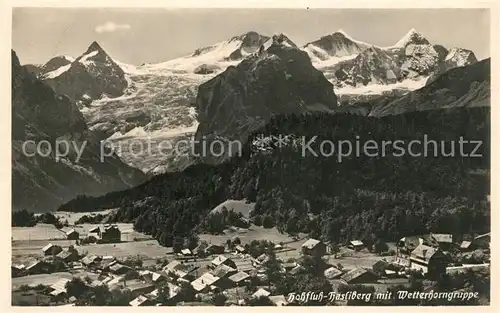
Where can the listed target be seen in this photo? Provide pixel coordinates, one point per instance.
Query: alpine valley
(234, 88)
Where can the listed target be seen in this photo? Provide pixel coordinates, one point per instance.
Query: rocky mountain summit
(280, 80)
(90, 76)
(40, 181)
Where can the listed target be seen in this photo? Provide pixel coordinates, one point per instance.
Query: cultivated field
(49, 279)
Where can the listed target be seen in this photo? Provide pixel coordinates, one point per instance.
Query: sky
(137, 36)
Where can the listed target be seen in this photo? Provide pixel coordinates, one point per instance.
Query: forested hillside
(360, 197)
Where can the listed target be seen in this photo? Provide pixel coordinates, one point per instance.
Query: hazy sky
(154, 35)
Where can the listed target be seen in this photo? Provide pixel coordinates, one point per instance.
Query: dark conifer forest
(361, 197)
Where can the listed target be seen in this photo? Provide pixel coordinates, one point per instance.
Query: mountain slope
(466, 86)
(90, 76)
(41, 183)
(282, 80)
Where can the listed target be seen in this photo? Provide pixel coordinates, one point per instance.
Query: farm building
(51, 250)
(111, 234)
(220, 259)
(332, 273)
(314, 247)
(429, 260)
(482, 241)
(356, 245)
(72, 235)
(359, 275)
(186, 252)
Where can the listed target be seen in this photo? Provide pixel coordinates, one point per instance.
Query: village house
(59, 287)
(204, 283)
(483, 241)
(380, 266)
(72, 235)
(17, 270)
(186, 252)
(220, 259)
(356, 245)
(152, 277)
(297, 269)
(244, 265)
(240, 249)
(141, 301)
(407, 244)
(173, 292)
(95, 231)
(214, 249)
(91, 260)
(179, 270)
(466, 245)
(314, 247)
(279, 300)
(51, 250)
(467, 267)
(287, 266)
(223, 271)
(39, 267)
(239, 278)
(359, 275)
(429, 260)
(444, 241)
(111, 234)
(119, 269)
(137, 287)
(261, 293)
(332, 273)
(68, 256)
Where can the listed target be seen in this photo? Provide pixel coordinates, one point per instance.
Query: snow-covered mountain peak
(411, 37)
(94, 46)
(460, 57)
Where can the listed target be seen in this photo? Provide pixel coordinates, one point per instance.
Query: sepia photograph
(250, 156)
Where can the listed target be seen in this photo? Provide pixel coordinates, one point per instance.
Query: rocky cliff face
(351, 64)
(372, 66)
(459, 87)
(281, 80)
(90, 76)
(41, 183)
